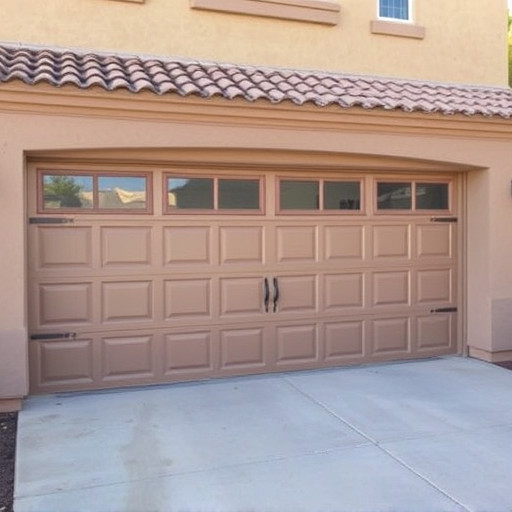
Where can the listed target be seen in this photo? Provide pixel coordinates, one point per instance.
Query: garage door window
(214, 194)
(319, 195)
(93, 192)
(412, 196)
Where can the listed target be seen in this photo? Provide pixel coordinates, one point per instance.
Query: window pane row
(88, 192)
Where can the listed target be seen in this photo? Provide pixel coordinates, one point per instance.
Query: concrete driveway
(431, 435)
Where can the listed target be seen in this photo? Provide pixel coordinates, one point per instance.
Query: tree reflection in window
(62, 191)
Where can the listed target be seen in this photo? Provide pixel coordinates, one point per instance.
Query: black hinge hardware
(54, 336)
(444, 310)
(443, 219)
(50, 220)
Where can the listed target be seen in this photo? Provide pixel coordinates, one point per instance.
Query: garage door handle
(266, 291)
(276, 293)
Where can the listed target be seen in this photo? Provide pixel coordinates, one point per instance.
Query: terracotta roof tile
(33, 65)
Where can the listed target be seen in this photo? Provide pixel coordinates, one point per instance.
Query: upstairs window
(395, 9)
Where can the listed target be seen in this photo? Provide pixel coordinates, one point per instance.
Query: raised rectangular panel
(127, 301)
(242, 348)
(65, 361)
(297, 344)
(434, 241)
(187, 298)
(122, 246)
(344, 242)
(434, 285)
(241, 244)
(391, 335)
(434, 331)
(65, 303)
(296, 244)
(296, 293)
(187, 245)
(344, 339)
(190, 351)
(343, 291)
(64, 247)
(241, 296)
(127, 356)
(391, 241)
(390, 288)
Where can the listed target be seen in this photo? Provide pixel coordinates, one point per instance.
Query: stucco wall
(465, 40)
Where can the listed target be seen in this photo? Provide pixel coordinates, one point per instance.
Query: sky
(510, 5)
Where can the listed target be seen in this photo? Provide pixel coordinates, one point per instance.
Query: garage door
(145, 277)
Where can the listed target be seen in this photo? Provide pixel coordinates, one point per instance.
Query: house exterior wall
(443, 43)
(29, 129)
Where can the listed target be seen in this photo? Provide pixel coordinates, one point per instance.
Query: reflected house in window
(199, 194)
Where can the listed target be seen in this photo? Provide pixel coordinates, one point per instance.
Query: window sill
(391, 28)
(324, 12)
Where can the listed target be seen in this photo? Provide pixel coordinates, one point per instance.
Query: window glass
(432, 196)
(122, 192)
(342, 195)
(190, 193)
(239, 194)
(61, 191)
(396, 9)
(298, 195)
(394, 196)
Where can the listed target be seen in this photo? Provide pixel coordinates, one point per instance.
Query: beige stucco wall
(486, 282)
(465, 40)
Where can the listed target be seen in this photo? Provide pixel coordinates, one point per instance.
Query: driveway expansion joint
(376, 443)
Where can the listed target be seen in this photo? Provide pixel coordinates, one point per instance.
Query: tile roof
(161, 76)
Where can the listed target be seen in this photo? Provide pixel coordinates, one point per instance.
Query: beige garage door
(147, 277)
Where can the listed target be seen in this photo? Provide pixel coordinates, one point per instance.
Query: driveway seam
(376, 444)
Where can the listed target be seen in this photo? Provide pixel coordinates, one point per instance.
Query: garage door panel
(343, 340)
(61, 247)
(127, 301)
(391, 335)
(187, 299)
(126, 246)
(243, 349)
(434, 286)
(62, 363)
(188, 353)
(241, 245)
(297, 294)
(435, 240)
(65, 304)
(391, 241)
(435, 331)
(297, 344)
(127, 357)
(344, 243)
(391, 288)
(179, 294)
(187, 245)
(241, 296)
(297, 244)
(343, 291)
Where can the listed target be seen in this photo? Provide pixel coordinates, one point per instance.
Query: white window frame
(397, 20)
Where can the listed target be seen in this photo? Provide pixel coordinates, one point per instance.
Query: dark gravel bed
(8, 424)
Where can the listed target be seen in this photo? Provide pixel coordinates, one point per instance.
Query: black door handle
(266, 294)
(276, 293)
